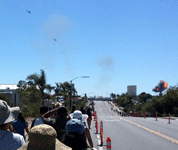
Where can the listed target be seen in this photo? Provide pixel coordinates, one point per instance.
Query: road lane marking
(101, 112)
(154, 132)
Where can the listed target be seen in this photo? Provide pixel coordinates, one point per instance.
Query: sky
(115, 42)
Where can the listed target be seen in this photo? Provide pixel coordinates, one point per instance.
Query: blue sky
(115, 42)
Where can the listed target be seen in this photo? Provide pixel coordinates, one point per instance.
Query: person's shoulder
(17, 136)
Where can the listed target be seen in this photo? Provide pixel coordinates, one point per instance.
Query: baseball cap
(74, 125)
(7, 113)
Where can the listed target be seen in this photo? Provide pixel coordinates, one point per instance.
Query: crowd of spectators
(54, 129)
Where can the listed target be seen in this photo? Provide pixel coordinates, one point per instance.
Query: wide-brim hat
(43, 137)
(7, 113)
(77, 114)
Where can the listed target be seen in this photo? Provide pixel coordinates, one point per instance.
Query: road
(134, 133)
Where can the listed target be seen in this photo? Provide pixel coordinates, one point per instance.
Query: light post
(71, 89)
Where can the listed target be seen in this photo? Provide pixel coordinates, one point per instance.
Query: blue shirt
(10, 141)
(19, 127)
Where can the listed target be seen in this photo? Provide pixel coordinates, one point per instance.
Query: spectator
(20, 125)
(43, 137)
(39, 121)
(89, 119)
(73, 108)
(75, 135)
(57, 105)
(82, 117)
(9, 140)
(82, 109)
(59, 123)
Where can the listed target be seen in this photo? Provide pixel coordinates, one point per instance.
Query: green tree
(49, 88)
(113, 95)
(143, 97)
(4, 97)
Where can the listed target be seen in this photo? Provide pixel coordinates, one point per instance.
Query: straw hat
(7, 113)
(43, 137)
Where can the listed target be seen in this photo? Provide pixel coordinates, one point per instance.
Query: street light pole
(71, 89)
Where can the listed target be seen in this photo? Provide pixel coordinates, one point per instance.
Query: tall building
(132, 90)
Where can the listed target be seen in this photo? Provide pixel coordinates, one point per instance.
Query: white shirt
(38, 121)
(10, 141)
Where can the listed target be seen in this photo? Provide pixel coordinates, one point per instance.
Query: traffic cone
(96, 124)
(101, 136)
(101, 126)
(169, 119)
(108, 143)
(156, 116)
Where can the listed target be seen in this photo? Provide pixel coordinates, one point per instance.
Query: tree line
(145, 102)
(34, 90)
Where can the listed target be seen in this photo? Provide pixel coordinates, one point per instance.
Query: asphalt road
(134, 133)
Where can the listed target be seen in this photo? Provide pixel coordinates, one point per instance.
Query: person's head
(7, 114)
(62, 111)
(5, 126)
(20, 117)
(43, 110)
(73, 108)
(74, 125)
(82, 109)
(77, 114)
(57, 105)
(43, 137)
(75, 137)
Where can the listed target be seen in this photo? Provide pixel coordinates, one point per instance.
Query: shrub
(175, 111)
(31, 110)
(4, 97)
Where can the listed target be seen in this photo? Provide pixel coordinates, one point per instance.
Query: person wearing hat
(9, 140)
(82, 118)
(75, 135)
(43, 137)
(59, 122)
(38, 121)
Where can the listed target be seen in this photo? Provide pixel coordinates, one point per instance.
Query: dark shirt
(19, 127)
(59, 125)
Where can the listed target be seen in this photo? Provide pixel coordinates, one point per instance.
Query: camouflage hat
(43, 137)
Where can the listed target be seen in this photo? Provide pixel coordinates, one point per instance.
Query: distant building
(11, 91)
(132, 90)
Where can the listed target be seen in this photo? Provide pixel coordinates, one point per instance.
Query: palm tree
(49, 88)
(39, 81)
